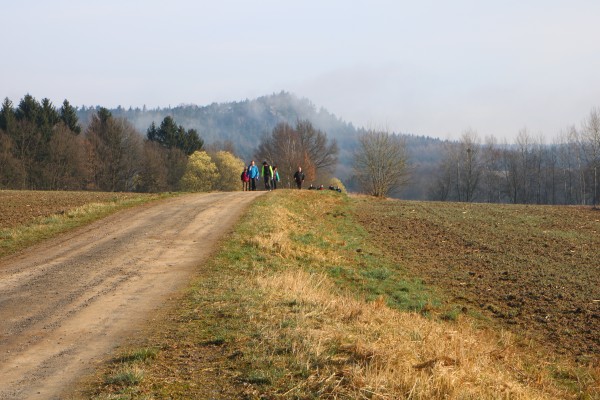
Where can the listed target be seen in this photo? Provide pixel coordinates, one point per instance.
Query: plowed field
(21, 207)
(534, 269)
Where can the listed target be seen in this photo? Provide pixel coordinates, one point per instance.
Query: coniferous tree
(28, 109)
(191, 141)
(68, 115)
(170, 135)
(7, 116)
(48, 116)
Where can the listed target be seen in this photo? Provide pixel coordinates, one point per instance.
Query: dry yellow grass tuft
(365, 349)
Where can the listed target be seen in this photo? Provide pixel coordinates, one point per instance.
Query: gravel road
(67, 303)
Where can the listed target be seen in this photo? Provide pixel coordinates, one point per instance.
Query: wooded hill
(245, 123)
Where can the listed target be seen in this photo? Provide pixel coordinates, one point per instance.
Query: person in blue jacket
(254, 175)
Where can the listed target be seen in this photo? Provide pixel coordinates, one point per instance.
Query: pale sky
(432, 68)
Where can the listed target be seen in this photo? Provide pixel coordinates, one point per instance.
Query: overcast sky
(432, 68)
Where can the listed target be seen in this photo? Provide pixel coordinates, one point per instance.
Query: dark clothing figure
(267, 173)
(299, 178)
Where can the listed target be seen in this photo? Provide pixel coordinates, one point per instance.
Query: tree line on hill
(93, 148)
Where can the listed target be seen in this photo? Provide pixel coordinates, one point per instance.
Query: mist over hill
(244, 123)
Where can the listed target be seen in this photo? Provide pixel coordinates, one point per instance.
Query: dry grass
(367, 350)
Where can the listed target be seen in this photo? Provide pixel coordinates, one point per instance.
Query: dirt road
(68, 302)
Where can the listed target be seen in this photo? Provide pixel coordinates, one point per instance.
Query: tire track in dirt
(69, 301)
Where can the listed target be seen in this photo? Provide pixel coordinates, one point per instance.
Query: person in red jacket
(245, 180)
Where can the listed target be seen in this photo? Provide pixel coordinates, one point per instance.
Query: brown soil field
(22, 207)
(533, 269)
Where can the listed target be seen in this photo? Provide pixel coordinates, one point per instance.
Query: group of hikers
(251, 175)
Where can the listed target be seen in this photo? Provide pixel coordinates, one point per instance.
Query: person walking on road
(275, 177)
(245, 180)
(267, 173)
(253, 174)
(299, 177)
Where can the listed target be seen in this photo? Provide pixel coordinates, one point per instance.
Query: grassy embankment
(298, 304)
(28, 217)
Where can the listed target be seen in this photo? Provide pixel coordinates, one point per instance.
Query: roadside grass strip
(298, 305)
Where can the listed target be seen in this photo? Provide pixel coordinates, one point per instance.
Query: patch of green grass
(126, 376)
(309, 239)
(379, 274)
(451, 315)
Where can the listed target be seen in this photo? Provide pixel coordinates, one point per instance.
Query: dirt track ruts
(68, 302)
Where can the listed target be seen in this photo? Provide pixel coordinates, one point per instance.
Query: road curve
(68, 302)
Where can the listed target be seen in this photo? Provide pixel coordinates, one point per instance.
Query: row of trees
(45, 147)
(42, 147)
(530, 171)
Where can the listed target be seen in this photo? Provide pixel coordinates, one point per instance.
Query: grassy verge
(298, 305)
(16, 238)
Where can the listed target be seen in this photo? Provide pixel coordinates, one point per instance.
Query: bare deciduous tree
(64, 169)
(460, 170)
(381, 163)
(471, 170)
(115, 151)
(590, 134)
(304, 146)
(11, 170)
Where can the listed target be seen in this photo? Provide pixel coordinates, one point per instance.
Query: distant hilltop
(244, 122)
